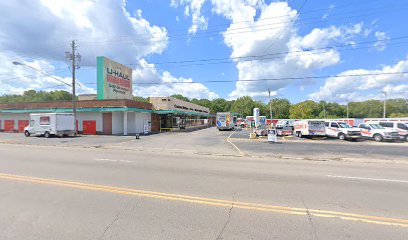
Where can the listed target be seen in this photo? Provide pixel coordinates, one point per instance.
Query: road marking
(370, 179)
(211, 201)
(239, 150)
(111, 160)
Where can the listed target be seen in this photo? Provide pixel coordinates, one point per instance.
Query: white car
(378, 132)
(342, 130)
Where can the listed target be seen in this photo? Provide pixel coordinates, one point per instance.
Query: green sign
(114, 80)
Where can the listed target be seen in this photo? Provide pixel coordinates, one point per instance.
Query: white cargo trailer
(47, 124)
(309, 128)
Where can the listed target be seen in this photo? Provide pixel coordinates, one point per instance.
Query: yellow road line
(211, 201)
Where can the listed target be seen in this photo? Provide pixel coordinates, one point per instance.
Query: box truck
(225, 121)
(47, 124)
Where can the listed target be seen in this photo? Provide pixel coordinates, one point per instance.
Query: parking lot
(210, 141)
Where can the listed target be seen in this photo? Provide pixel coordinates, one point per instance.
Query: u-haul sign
(114, 80)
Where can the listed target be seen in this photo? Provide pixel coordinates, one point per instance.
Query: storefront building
(112, 110)
(178, 114)
(117, 117)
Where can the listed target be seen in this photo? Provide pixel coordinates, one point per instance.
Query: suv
(378, 132)
(342, 130)
(401, 127)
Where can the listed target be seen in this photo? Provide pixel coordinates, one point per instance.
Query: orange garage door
(22, 124)
(9, 125)
(89, 127)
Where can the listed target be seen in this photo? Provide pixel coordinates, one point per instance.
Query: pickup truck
(342, 130)
(378, 132)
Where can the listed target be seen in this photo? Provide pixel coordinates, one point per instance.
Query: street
(124, 190)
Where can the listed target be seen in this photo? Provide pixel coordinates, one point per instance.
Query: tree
(219, 105)
(34, 96)
(304, 110)
(280, 108)
(245, 105)
(141, 99)
(181, 97)
(331, 110)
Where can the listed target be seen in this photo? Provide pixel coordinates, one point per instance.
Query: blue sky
(314, 39)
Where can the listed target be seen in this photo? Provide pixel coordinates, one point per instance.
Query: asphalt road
(49, 192)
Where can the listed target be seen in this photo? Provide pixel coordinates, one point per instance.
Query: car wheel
(406, 138)
(47, 134)
(26, 133)
(378, 138)
(342, 136)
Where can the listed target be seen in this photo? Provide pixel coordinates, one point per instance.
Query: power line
(271, 79)
(264, 56)
(206, 34)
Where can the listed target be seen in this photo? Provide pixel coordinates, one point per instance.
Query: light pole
(347, 111)
(59, 80)
(385, 101)
(270, 103)
(38, 70)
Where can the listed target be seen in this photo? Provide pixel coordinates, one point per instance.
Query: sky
(332, 50)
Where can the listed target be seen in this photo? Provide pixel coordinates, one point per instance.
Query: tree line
(281, 107)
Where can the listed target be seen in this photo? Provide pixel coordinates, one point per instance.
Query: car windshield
(376, 126)
(344, 125)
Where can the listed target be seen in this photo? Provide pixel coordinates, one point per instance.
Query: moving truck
(225, 121)
(309, 128)
(47, 124)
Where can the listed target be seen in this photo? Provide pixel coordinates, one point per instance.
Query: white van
(342, 130)
(401, 127)
(378, 132)
(48, 124)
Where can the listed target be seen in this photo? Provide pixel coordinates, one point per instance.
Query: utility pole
(74, 58)
(270, 103)
(324, 110)
(347, 110)
(385, 101)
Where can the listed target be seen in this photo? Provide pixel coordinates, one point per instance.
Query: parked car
(48, 124)
(401, 127)
(342, 130)
(378, 132)
(309, 128)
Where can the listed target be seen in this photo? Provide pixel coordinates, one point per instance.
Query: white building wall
(13, 116)
(131, 122)
(93, 116)
(117, 123)
(141, 118)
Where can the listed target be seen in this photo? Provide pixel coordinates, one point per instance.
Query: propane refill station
(256, 117)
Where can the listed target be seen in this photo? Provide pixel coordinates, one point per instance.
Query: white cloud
(357, 88)
(148, 81)
(381, 40)
(101, 28)
(36, 74)
(193, 8)
(261, 29)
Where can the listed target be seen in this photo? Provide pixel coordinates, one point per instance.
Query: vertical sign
(114, 80)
